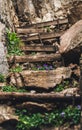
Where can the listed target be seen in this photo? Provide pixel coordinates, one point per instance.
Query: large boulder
(72, 38)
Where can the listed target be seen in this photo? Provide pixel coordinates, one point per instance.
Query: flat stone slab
(40, 79)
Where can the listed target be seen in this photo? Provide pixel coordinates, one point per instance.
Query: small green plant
(13, 44)
(12, 89)
(66, 83)
(62, 86)
(48, 29)
(33, 53)
(43, 67)
(56, 118)
(16, 69)
(8, 89)
(2, 78)
(59, 88)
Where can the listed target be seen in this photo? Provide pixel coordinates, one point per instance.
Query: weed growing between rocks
(16, 69)
(66, 84)
(2, 78)
(13, 44)
(12, 89)
(69, 115)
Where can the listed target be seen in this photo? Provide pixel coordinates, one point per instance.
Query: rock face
(3, 60)
(7, 19)
(39, 10)
(7, 13)
(46, 10)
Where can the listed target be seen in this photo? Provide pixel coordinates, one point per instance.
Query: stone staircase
(43, 68)
(41, 47)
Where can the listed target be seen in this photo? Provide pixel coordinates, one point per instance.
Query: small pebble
(32, 91)
(68, 95)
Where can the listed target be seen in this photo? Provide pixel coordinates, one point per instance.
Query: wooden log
(37, 36)
(45, 24)
(71, 38)
(34, 58)
(29, 30)
(34, 106)
(39, 48)
(40, 79)
(34, 28)
(45, 97)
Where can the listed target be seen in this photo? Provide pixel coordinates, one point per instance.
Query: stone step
(45, 79)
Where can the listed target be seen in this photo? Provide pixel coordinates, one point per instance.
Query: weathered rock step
(36, 107)
(43, 24)
(40, 79)
(38, 36)
(34, 58)
(39, 48)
